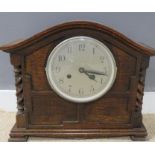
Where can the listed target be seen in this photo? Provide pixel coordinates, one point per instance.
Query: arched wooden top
(144, 49)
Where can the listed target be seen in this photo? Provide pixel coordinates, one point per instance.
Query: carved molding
(19, 89)
(140, 90)
(139, 97)
(39, 38)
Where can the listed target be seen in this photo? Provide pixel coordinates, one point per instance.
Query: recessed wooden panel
(49, 110)
(35, 66)
(108, 110)
(127, 62)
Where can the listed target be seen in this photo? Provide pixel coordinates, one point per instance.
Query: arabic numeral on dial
(93, 51)
(69, 88)
(81, 91)
(61, 58)
(92, 89)
(61, 81)
(101, 80)
(82, 47)
(102, 58)
(57, 69)
(69, 50)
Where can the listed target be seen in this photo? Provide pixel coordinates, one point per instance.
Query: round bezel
(82, 99)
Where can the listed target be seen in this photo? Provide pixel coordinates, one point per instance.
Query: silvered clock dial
(81, 69)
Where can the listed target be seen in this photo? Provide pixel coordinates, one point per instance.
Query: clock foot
(138, 138)
(17, 136)
(18, 139)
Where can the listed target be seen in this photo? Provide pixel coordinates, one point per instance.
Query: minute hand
(95, 72)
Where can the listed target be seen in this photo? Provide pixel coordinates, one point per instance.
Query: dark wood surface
(41, 112)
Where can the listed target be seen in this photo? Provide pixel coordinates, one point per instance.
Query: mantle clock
(79, 80)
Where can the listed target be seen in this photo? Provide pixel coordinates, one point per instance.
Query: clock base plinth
(22, 134)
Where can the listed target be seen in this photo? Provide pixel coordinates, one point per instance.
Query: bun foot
(18, 139)
(138, 138)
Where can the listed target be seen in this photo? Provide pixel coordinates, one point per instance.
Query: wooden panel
(49, 110)
(108, 110)
(35, 66)
(122, 83)
(127, 62)
(52, 110)
(36, 62)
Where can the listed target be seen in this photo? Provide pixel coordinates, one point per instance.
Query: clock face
(81, 69)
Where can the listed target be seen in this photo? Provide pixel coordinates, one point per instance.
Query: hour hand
(82, 70)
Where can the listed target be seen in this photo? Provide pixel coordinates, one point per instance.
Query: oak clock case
(79, 80)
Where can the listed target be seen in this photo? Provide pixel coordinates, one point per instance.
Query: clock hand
(82, 70)
(95, 72)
